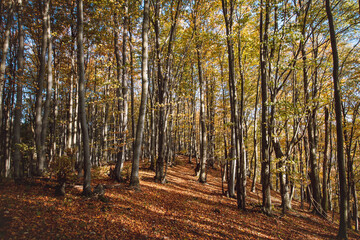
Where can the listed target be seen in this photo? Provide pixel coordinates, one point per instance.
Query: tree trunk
(134, 180)
(49, 91)
(265, 158)
(255, 138)
(5, 49)
(40, 86)
(342, 233)
(18, 107)
(82, 110)
(203, 133)
(119, 155)
(325, 198)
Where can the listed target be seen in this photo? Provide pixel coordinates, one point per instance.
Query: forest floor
(181, 209)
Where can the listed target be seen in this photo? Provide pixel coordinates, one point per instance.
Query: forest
(142, 114)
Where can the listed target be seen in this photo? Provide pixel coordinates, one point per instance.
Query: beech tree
(206, 71)
(134, 181)
(82, 112)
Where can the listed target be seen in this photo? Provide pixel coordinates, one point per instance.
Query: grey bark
(82, 110)
(134, 180)
(203, 133)
(325, 197)
(39, 93)
(49, 91)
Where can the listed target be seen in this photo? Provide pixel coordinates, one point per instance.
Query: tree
(18, 107)
(5, 48)
(82, 111)
(39, 117)
(342, 233)
(265, 158)
(134, 180)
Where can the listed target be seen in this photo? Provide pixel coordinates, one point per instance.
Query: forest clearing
(183, 208)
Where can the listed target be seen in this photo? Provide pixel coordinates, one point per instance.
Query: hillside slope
(180, 209)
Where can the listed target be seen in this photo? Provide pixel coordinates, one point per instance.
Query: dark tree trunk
(342, 233)
(5, 49)
(265, 158)
(18, 106)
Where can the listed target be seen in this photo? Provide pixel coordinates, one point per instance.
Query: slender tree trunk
(82, 110)
(119, 155)
(124, 89)
(134, 180)
(49, 91)
(265, 158)
(325, 198)
(203, 140)
(71, 102)
(342, 233)
(5, 49)
(40, 86)
(132, 89)
(162, 86)
(18, 107)
(255, 137)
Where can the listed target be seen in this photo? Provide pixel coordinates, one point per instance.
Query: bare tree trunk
(124, 89)
(49, 91)
(342, 233)
(203, 133)
(325, 198)
(82, 110)
(255, 138)
(162, 88)
(5, 49)
(265, 158)
(18, 107)
(40, 86)
(119, 155)
(134, 180)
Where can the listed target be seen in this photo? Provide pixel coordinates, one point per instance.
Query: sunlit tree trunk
(325, 197)
(203, 133)
(82, 110)
(134, 181)
(49, 91)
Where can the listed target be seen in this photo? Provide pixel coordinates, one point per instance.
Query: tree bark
(49, 91)
(134, 180)
(325, 198)
(18, 107)
(265, 158)
(82, 110)
(5, 49)
(342, 233)
(40, 86)
(203, 134)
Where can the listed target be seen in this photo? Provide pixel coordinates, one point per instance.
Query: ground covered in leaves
(180, 209)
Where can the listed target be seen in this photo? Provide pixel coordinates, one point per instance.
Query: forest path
(181, 209)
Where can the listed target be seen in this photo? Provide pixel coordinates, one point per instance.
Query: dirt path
(180, 209)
